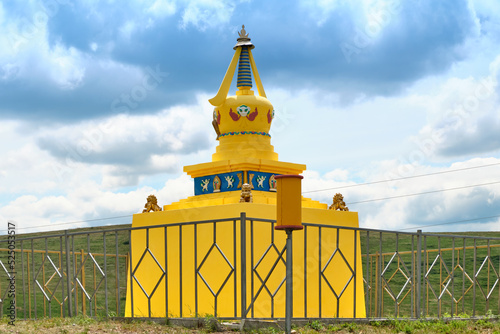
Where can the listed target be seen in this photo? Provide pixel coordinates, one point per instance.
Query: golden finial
(243, 33)
(243, 40)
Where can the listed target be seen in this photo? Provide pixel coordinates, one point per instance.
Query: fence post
(376, 312)
(289, 283)
(379, 277)
(68, 279)
(84, 301)
(243, 243)
(419, 273)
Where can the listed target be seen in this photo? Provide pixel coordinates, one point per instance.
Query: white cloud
(68, 67)
(205, 14)
(25, 52)
(162, 8)
(127, 29)
(131, 146)
(338, 174)
(331, 134)
(88, 202)
(464, 118)
(321, 9)
(397, 210)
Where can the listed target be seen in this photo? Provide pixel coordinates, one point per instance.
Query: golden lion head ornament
(338, 203)
(246, 193)
(151, 204)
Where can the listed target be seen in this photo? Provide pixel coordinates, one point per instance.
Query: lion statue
(151, 204)
(338, 203)
(246, 193)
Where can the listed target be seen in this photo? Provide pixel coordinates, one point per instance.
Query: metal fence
(404, 274)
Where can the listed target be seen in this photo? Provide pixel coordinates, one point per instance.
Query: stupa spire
(244, 72)
(243, 56)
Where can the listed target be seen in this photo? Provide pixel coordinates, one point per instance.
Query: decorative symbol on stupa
(260, 181)
(216, 122)
(233, 115)
(253, 114)
(204, 184)
(250, 179)
(240, 179)
(216, 184)
(230, 180)
(217, 116)
(270, 116)
(272, 183)
(243, 110)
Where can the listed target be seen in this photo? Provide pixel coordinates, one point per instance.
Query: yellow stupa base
(183, 291)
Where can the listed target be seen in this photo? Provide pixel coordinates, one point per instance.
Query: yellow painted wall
(215, 269)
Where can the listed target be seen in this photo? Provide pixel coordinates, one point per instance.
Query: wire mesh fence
(238, 266)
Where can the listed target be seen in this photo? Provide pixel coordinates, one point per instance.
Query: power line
(424, 193)
(75, 222)
(448, 223)
(348, 186)
(400, 178)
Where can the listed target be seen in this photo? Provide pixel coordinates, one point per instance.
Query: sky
(395, 104)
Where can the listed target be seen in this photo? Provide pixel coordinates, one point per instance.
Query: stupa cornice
(243, 164)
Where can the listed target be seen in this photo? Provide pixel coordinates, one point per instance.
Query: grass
(83, 324)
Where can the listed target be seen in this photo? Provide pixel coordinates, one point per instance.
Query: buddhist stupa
(186, 259)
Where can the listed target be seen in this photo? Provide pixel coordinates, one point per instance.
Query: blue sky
(103, 102)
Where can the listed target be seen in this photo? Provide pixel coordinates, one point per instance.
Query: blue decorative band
(244, 69)
(244, 133)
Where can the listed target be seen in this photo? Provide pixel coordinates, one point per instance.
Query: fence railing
(238, 266)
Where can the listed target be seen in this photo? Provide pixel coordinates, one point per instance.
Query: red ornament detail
(233, 115)
(252, 115)
(218, 117)
(269, 117)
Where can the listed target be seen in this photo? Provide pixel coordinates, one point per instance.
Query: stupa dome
(245, 114)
